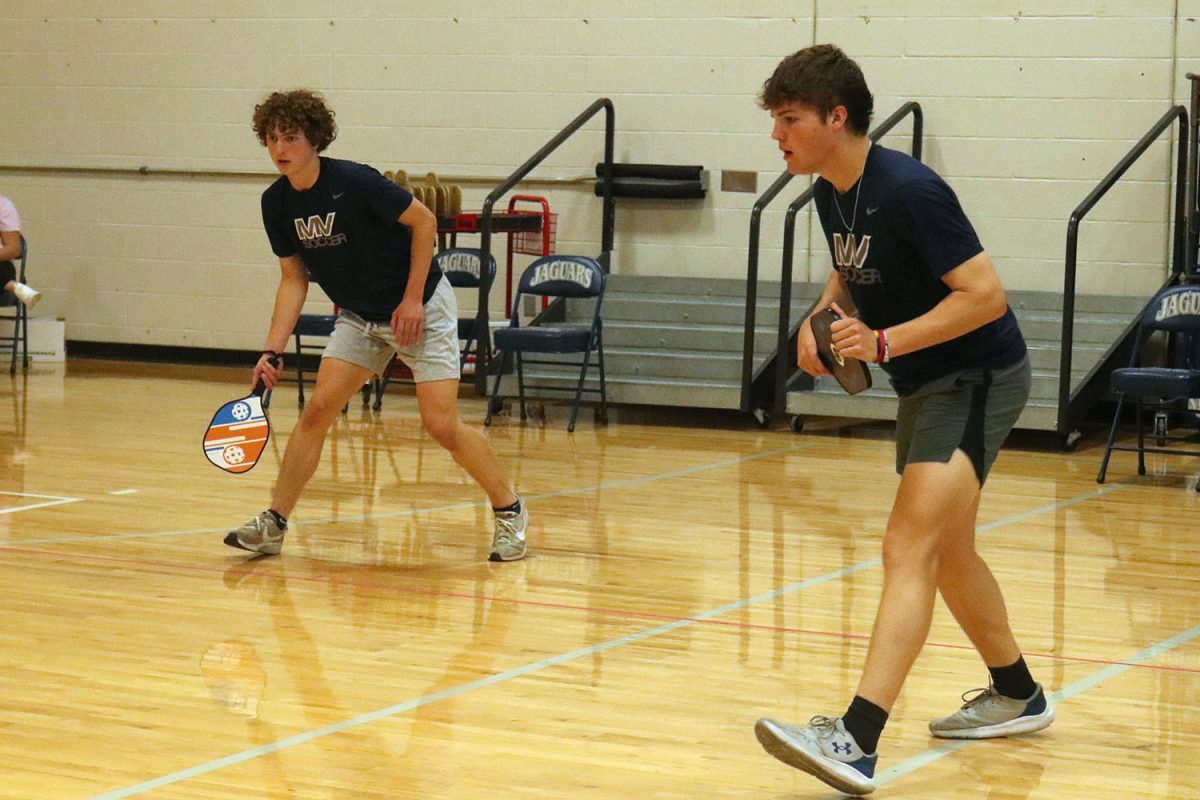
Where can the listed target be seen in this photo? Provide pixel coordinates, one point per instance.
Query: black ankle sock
(864, 721)
(280, 519)
(514, 508)
(1014, 680)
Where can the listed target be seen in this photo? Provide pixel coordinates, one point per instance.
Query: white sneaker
(986, 714)
(27, 295)
(508, 541)
(261, 534)
(823, 749)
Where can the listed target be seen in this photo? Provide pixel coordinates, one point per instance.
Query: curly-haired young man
(368, 244)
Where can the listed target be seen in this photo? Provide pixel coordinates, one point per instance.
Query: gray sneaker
(987, 714)
(260, 534)
(508, 541)
(823, 749)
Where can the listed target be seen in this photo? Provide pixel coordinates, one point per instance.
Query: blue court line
(502, 677)
(946, 747)
(1042, 509)
(411, 512)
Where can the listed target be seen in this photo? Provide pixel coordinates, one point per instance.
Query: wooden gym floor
(683, 580)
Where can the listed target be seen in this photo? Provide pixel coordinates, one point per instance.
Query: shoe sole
(773, 742)
(1014, 727)
(498, 557)
(271, 549)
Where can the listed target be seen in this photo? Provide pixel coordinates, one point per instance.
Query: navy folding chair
(569, 277)
(13, 309)
(462, 268)
(1161, 389)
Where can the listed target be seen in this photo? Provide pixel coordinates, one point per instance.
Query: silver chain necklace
(853, 214)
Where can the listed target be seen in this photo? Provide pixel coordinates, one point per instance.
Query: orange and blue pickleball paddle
(238, 433)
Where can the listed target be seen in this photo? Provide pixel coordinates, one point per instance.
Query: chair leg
(603, 388)
(25, 338)
(1112, 436)
(1141, 439)
(587, 357)
(299, 372)
(381, 385)
(465, 353)
(16, 340)
(494, 401)
(12, 368)
(521, 383)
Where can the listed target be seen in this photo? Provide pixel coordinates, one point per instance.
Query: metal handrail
(1192, 190)
(760, 204)
(483, 340)
(1180, 257)
(782, 363)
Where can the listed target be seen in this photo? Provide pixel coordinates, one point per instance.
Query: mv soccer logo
(318, 231)
(850, 254)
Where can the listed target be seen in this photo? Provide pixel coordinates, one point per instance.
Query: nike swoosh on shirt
(339, 194)
(870, 211)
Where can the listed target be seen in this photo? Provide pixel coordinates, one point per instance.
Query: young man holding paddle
(368, 244)
(917, 294)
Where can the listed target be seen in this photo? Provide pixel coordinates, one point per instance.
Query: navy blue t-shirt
(345, 230)
(892, 243)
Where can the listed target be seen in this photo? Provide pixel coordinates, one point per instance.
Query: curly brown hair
(821, 76)
(300, 109)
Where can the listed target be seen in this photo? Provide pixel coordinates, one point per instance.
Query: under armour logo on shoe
(837, 748)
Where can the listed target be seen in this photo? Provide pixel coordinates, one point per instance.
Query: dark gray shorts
(972, 410)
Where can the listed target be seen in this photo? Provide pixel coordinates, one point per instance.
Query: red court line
(615, 612)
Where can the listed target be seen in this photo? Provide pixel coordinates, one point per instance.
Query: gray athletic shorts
(972, 410)
(371, 344)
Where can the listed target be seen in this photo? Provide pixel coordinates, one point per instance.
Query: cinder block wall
(1027, 107)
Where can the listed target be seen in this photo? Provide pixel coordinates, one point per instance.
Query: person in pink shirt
(10, 248)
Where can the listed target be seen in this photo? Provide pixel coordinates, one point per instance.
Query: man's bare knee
(317, 414)
(444, 430)
(904, 551)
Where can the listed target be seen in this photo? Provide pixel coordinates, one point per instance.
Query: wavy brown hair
(300, 109)
(824, 77)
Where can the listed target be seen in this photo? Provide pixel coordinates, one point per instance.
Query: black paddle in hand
(851, 373)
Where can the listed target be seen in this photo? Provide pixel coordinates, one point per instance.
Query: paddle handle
(261, 386)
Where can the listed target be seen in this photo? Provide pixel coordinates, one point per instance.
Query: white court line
(412, 512)
(1080, 686)
(54, 501)
(126, 491)
(903, 768)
